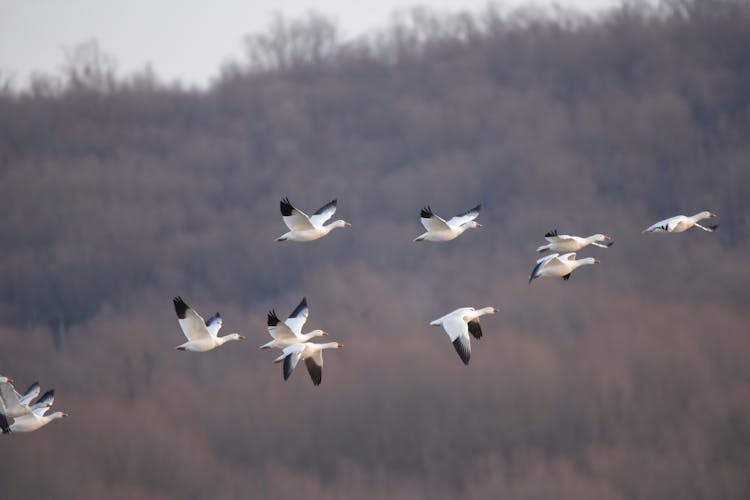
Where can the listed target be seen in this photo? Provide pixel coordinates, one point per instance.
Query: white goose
(286, 333)
(559, 265)
(439, 229)
(12, 404)
(680, 223)
(311, 353)
(567, 243)
(307, 228)
(34, 420)
(459, 324)
(201, 335)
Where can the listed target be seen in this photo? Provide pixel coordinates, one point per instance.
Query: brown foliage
(628, 381)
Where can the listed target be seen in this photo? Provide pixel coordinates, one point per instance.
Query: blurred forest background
(631, 380)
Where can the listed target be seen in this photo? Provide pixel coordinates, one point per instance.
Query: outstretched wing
(323, 214)
(47, 399)
(8, 395)
(32, 392)
(475, 329)
(278, 329)
(297, 319)
(293, 355)
(465, 217)
(458, 332)
(315, 367)
(191, 323)
(213, 324)
(295, 220)
(549, 260)
(432, 222)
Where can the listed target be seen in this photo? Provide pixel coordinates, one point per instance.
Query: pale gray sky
(181, 39)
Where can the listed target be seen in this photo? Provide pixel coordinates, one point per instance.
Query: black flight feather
(286, 207)
(426, 212)
(180, 307)
(213, 318)
(475, 329)
(288, 368)
(714, 227)
(325, 207)
(32, 387)
(551, 233)
(533, 271)
(4, 424)
(463, 352)
(471, 211)
(316, 371)
(567, 276)
(47, 398)
(298, 310)
(273, 320)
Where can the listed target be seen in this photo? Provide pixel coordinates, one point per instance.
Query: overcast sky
(182, 39)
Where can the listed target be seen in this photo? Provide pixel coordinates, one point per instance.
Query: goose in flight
(201, 335)
(567, 243)
(288, 332)
(459, 324)
(13, 404)
(681, 223)
(307, 228)
(559, 265)
(311, 353)
(32, 421)
(438, 229)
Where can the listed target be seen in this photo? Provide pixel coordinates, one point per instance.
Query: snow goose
(34, 420)
(681, 223)
(311, 353)
(307, 228)
(12, 404)
(201, 335)
(440, 230)
(559, 265)
(459, 324)
(286, 333)
(567, 243)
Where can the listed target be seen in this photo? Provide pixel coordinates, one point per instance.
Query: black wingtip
(300, 307)
(426, 212)
(288, 369)
(4, 424)
(180, 307)
(31, 388)
(286, 207)
(464, 354)
(47, 396)
(273, 320)
(475, 329)
(714, 227)
(567, 276)
(551, 233)
(315, 371)
(608, 243)
(477, 208)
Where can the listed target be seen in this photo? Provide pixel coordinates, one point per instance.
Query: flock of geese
(286, 335)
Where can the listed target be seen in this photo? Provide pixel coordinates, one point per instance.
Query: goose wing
(458, 332)
(323, 214)
(293, 353)
(278, 329)
(314, 366)
(297, 319)
(549, 260)
(465, 217)
(213, 324)
(32, 392)
(295, 220)
(192, 324)
(8, 395)
(432, 222)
